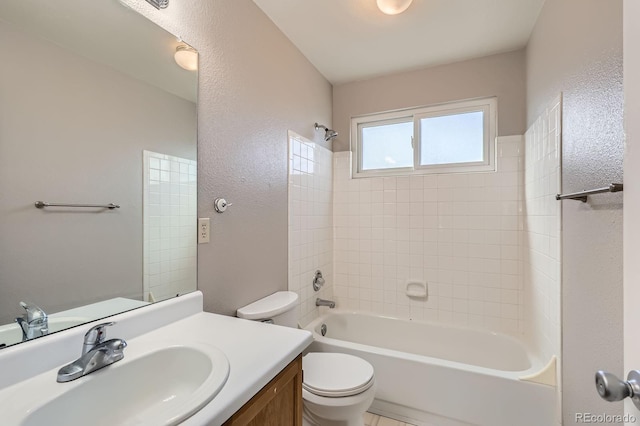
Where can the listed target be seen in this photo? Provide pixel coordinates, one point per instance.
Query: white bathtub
(436, 375)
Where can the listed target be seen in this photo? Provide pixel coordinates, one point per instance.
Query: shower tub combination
(437, 375)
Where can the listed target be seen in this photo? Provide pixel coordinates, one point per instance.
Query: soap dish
(417, 289)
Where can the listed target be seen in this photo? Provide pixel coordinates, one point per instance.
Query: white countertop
(102, 309)
(11, 333)
(257, 352)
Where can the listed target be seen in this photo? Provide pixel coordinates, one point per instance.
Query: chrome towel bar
(582, 195)
(110, 206)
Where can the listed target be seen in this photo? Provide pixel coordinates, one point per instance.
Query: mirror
(93, 110)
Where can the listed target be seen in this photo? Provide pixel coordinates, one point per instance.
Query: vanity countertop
(11, 333)
(256, 352)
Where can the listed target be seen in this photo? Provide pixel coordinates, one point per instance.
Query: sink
(12, 333)
(176, 369)
(160, 387)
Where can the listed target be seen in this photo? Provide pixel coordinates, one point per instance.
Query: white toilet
(337, 388)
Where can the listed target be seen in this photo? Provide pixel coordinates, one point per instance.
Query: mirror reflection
(94, 110)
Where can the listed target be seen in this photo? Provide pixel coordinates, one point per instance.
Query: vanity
(278, 403)
(228, 371)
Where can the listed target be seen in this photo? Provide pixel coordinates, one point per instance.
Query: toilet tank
(281, 307)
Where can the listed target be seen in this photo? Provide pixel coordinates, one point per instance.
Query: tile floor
(375, 420)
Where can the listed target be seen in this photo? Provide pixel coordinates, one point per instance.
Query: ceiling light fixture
(186, 57)
(393, 7)
(159, 4)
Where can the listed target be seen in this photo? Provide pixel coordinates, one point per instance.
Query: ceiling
(107, 32)
(349, 40)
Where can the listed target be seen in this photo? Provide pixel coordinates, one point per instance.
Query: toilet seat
(336, 374)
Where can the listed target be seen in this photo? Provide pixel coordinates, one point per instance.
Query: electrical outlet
(204, 229)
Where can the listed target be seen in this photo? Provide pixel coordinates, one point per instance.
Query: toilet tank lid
(270, 306)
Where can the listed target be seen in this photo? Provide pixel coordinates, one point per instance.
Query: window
(455, 137)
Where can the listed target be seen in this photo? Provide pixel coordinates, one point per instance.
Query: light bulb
(393, 7)
(186, 57)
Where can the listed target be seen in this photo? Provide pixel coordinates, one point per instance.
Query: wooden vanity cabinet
(279, 403)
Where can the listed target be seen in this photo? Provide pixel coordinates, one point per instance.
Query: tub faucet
(321, 302)
(96, 353)
(34, 323)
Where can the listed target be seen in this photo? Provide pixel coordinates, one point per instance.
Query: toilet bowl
(337, 388)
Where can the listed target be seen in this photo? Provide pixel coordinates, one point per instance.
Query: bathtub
(436, 375)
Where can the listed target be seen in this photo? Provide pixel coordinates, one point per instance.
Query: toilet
(337, 388)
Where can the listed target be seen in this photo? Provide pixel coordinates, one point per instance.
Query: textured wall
(500, 75)
(254, 86)
(576, 49)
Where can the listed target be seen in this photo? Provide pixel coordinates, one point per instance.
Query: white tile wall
(310, 222)
(542, 229)
(459, 233)
(170, 226)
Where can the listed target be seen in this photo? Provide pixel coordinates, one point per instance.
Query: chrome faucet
(96, 353)
(321, 302)
(34, 323)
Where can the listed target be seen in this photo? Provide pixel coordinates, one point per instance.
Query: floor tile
(370, 419)
(384, 421)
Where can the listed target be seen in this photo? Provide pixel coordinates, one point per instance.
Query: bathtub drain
(323, 329)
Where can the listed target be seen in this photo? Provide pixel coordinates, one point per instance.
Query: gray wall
(500, 75)
(254, 86)
(73, 130)
(576, 49)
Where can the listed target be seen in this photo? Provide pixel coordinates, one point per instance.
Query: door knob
(611, 388)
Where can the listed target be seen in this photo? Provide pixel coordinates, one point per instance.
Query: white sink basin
(160, 387)
(12, 333)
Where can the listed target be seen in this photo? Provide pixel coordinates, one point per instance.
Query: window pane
(387, 146)
(457, 138)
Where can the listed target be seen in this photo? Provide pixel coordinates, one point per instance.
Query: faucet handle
(318, 281)
(33, 312)
(95, 336)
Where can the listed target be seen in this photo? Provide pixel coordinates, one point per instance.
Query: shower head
(328, 133)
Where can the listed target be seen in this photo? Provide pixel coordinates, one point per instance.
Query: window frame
(382, 120)
(488, 106)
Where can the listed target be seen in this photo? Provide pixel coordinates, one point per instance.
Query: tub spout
(321, 302)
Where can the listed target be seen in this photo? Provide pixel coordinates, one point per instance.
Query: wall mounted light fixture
(159, 4)
(393, 7)
(186, 57)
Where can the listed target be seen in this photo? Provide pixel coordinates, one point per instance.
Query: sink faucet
(96, 353)
(321, 302)
(34, 322)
